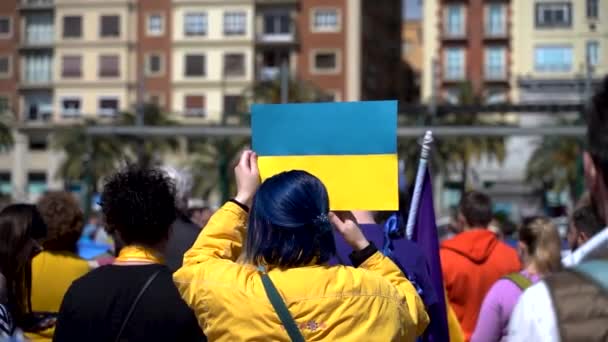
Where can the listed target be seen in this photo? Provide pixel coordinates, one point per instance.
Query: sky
(412, 9)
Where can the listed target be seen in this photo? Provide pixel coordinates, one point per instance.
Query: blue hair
(288, 225)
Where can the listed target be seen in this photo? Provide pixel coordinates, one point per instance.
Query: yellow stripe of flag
(354, 182)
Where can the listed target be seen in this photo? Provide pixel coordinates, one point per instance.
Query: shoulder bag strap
(139, 295)
(281, 309)
(518, 279)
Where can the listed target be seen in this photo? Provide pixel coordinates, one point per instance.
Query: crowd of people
(275, 264)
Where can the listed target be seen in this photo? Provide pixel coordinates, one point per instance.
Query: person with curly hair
(58, 265)
(133, 299)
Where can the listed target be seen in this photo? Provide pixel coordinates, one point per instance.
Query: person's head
(200, 215)
(596, 156)
(94, 218)
(64, 219)
(21, 226)
(288, 225)
(540, 244)
(584, 224)
(182, 179)
(139, 205)
(474, 211)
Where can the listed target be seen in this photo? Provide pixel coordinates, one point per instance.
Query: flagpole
(424, 154)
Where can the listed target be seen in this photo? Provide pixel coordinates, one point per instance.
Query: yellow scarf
(138, 254)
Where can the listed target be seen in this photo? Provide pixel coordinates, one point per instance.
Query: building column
(53, 181)
(353, 48)
(19, 167)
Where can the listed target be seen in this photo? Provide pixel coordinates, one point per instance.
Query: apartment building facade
(467, 41)
(64, 61)
(561, 50)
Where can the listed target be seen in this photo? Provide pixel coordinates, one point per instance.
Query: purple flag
(425, 235)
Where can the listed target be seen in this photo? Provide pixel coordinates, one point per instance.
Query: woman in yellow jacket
(289, 239)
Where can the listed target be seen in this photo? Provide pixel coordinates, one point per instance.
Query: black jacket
(183, 234)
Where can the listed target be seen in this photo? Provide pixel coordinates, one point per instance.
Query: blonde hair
(543, 242)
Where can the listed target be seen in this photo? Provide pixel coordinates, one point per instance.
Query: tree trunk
(464, 175)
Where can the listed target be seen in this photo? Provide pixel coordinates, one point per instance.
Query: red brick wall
(10, 47)
(312, 40)
(146, 44)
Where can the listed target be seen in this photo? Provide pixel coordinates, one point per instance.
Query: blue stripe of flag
(347, 128)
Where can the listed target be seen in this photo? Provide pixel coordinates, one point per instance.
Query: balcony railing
(495, 74)
(269, 73)
(276, 38)
(36, 4)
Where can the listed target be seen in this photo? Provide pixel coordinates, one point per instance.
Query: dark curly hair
(140, 205)
(64, 220)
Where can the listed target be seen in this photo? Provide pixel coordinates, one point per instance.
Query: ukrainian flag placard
(350, 146)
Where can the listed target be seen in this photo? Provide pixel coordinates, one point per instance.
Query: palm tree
(150, 149)
(455, 154)
(555, 164)
(6, 135)
(85, 156)
(215, 157)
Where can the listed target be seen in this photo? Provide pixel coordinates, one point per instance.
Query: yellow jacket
(371, 303)
(52, 275)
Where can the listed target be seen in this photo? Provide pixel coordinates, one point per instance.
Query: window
(235, 23)
(6, 187)
(592, 9)
(109, 66)
(72, 27)
(194, 105)
(108, 106)
(495, 63)
(234, 64)
(233, 104)
(277, 23)
(39, 28)
(454, 64)
(325, 62)
(110, 26)
(38, 143)
(593, 53)
(71, 66)
(5, 66)
(156, 99)
(154, 64)
(195, 24)
(156, 23)
(6, 29)
(4, 104)
(37, 67)
(553, 58)
(36, 183)
(553, 14)
(325, 20)
(70, 106)
(454, 21)
(495, 20)
(195, 65)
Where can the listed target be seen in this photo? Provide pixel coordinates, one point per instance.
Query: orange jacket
(472, 262)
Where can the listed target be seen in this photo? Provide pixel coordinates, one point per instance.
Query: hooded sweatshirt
(472, 262)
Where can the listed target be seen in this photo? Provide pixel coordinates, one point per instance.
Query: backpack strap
(594, 270)
(281, 309)
(519, 279)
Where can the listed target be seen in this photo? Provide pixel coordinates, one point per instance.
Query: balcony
(454, 35)
(276, 38)
(495, 75)
(36, 5)
(277, 27)
(269, 73)
(38, 113)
